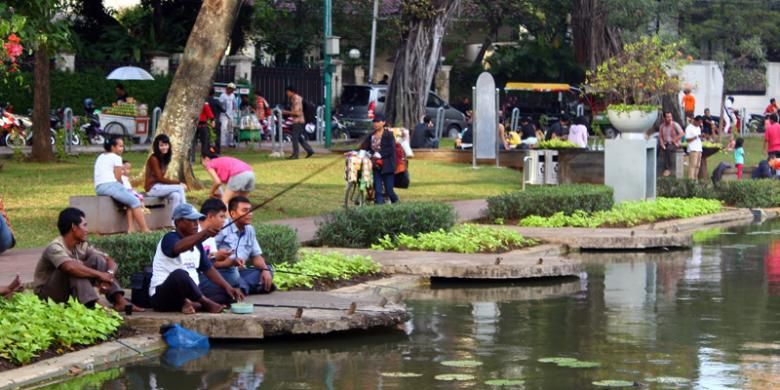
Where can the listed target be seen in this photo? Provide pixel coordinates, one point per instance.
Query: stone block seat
(106, 216)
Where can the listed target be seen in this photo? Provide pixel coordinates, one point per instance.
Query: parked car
(359, 103)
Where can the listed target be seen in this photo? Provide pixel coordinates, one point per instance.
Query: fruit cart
(127, 120)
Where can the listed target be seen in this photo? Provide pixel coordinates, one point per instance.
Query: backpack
(309, 112)
(139, 284)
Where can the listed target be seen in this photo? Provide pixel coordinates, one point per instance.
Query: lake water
(706, 318)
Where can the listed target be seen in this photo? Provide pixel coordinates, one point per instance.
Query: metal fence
(270, 82)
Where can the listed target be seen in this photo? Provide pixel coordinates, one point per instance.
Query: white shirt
(229, 103)
(690, 132)
(162, 265)
(126, 182)
(104, 168)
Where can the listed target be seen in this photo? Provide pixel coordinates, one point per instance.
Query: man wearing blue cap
(177, 261)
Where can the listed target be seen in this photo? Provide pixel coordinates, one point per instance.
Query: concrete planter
(632, 122)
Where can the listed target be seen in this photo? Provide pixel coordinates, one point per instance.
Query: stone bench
(106, 216)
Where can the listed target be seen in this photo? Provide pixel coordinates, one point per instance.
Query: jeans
(202, 136)
(248, 280)
(6, 237)
(119, 193)
(384, 182)
(173, 191)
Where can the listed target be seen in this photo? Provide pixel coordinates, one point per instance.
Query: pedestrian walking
(693, 136)
(298, 123)
(217, 109)
(230, 105)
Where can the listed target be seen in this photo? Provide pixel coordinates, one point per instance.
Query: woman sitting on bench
(156, 184)
(108, 181)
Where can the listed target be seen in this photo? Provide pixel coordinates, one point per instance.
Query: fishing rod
(282, 192)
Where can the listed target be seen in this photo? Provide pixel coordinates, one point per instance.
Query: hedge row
(70, 90)
(548, 200)
(134, 251)
(361, 227)
(740, 193)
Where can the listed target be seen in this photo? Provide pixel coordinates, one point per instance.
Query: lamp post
(331, 46)
(373, 43)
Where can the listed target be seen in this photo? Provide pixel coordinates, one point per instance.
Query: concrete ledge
(86, 361)
(322, 313)
(530, 263)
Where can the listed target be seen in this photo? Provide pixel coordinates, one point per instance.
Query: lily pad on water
(454, 377)
(579, 364)
(613, 383)
(461, 363)
(504, 382)
(669, 380)
(400, 374)
(556, 360)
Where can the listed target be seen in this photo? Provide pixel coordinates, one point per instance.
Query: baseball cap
(186, 211)
(379, 118)
(231, 85)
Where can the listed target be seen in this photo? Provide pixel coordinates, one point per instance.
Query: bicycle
(359, 178)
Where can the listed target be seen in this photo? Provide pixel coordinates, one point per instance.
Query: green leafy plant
(279, 242)
(556, 144)
(670, 187)
(548, 200)
(467, 238)
(31, 325)
(638, 75)
(131, 251)
(750, 193)
(361, 227)
(326, 266)
(629, 214)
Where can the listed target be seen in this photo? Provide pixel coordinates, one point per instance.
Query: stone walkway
(22, 261)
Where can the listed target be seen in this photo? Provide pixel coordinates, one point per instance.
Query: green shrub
(670, 187)
(279, 242)
(363, 226)
(750, 193)
(331, 266)
(31, 325)
(548, 200)
(131, 251)
(70, 90)
(466, 238)
(629, 213)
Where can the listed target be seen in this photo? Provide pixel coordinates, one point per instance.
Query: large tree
(417, 58)
(595, 39)
(205, 47)
(46, 32)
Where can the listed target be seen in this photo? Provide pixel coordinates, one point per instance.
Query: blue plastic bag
(178, 337)
(176, 357)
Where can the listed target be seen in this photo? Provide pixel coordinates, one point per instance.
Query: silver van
(359, 103)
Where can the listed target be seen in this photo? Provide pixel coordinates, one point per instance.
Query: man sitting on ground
(179, 257)
(215, 213)
(70, 266)
(246, 267)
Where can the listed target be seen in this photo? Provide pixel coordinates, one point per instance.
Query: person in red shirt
(202, 131)
(772, 138)
(771, 108)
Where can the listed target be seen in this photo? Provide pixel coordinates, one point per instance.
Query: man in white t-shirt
(693, 137)
(228, 102)
(178, 259)
(215, 213)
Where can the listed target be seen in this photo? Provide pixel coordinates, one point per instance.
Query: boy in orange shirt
(689, 103)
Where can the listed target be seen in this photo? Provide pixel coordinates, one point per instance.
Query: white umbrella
(129, 73)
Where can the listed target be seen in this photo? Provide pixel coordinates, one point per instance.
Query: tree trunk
(205, 47)
(41, 148)
(594, 40)
(415, 65)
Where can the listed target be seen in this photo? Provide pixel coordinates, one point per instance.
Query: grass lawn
(35, 193)
(754, 152)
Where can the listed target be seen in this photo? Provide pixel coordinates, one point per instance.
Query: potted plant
(634, 81)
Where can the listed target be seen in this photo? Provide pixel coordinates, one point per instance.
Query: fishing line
(282, 192)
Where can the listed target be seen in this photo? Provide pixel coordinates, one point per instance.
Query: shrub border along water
(548, 200)
(629, 214)
(327, 266)
(360, 227)
(466, 238)
(739, 193)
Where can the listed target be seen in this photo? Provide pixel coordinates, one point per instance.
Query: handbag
(402, 180)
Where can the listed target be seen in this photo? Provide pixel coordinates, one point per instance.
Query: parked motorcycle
(756, 123)
(91, 127)
(13, 129)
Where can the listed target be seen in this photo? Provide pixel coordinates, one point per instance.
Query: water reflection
(710, 315)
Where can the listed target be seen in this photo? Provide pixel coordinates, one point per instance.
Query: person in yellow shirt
(689, 103)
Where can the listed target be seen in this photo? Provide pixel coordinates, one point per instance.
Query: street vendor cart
(126, 119)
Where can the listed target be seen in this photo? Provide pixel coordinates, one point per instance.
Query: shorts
(243, 182)
(119, 193)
